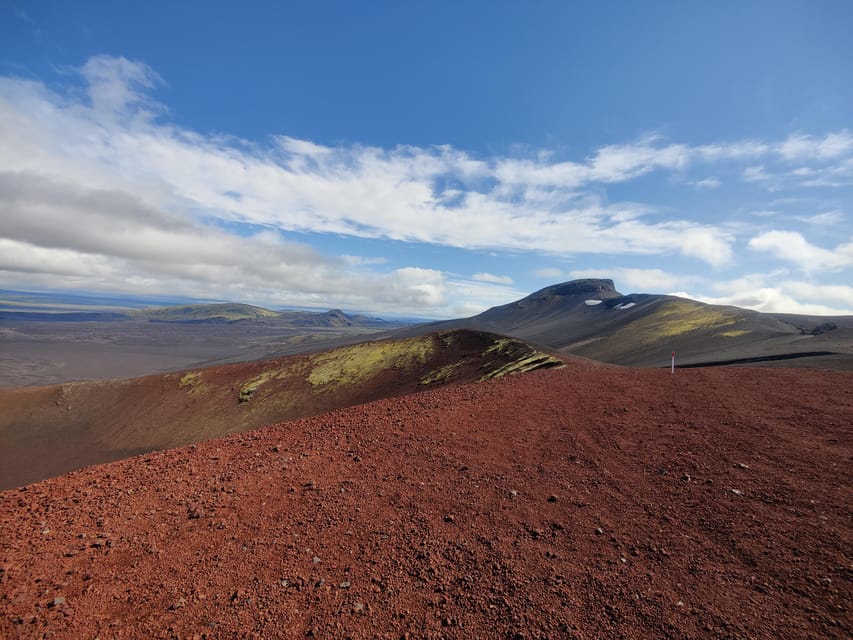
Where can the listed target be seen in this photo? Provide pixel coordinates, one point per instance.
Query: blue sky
(428, 159)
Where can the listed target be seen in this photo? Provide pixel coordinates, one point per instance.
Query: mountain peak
(598, 288)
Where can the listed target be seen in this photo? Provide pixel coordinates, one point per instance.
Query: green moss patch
(192, 383)
(355, 364)
(536, 360)
(675, 318)
(441, 375)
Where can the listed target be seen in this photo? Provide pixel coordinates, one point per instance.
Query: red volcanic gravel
(585, 502)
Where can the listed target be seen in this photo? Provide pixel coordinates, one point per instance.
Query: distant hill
(203, 313)
(42, 344)
(590, 318)
(221, 313)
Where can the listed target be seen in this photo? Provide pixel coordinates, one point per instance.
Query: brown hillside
(585, 502)
(48, 431)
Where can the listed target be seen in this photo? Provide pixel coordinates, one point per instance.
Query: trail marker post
(673, 362)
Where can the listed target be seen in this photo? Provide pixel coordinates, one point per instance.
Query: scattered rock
(449, 518)
(552, 498)
(345, 584)
(180, 603)
(57, 601)
(599, 531)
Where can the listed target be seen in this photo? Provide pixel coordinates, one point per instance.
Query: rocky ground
(584, 502)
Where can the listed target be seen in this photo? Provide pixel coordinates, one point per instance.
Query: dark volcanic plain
(50, 348)
(584, 502)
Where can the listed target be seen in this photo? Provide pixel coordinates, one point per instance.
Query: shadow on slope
(48, 431)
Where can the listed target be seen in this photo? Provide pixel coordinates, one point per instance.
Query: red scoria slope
(585, 502)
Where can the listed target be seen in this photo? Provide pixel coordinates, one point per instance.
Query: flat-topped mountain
(590, 318)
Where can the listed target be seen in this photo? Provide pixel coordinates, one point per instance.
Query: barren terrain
(584, 502)
(589, 318)
(48, 431)
(42, 344)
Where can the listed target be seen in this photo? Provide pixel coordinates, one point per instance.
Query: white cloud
(756, 173)
(707, 183)
(766, 300)
(798, 147)
(630, 280)
(791, 246)
(399, 193)
(105, 191)
(774, 293)
(302, 147)
(833, 295)
(114, 84)
(474, 296)
(827, 218)
(489, 277)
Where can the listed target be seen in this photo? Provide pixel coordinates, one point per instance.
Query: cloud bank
(99, 191)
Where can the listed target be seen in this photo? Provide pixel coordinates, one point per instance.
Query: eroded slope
(47, 431)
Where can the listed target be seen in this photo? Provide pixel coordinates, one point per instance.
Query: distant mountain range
(591, 319)
(204, 314)
(587, 318)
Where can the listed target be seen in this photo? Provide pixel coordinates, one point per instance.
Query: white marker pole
(673, 362)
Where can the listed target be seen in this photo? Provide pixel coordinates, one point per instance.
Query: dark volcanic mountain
(590, 318)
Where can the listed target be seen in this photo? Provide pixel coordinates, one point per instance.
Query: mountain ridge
(590, 318)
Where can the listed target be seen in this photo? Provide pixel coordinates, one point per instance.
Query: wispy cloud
(436, 194)
(798, 147)
(489, 277)
(777, 292)
(707, 183)
(826, 218)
